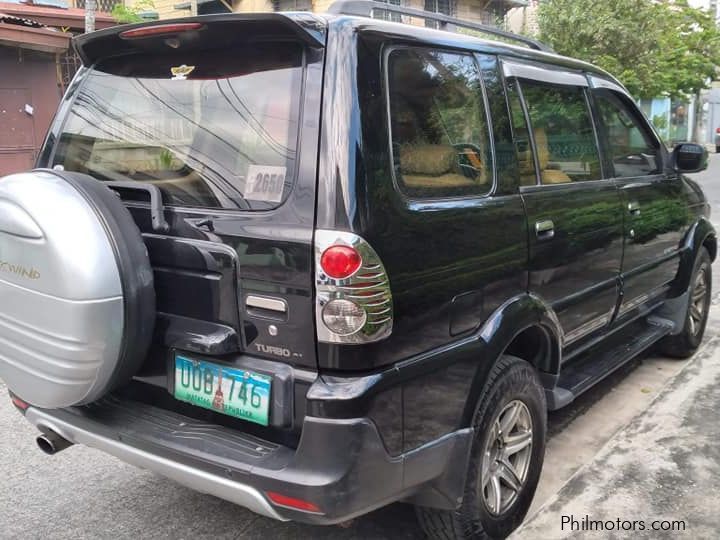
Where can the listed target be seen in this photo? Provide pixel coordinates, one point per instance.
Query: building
(523, 19)
(485, 11)
(36, 66)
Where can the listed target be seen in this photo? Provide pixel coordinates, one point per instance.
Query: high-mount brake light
(160, 29)
(340, 262)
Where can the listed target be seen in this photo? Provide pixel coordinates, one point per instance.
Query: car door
(574, 214)
(654, 208)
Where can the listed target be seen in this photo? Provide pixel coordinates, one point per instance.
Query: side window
(563, 131)
(438, 124)
(521, 138)
(633, 150)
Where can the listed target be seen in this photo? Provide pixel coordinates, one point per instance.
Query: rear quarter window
(438, 124)
(210, 128)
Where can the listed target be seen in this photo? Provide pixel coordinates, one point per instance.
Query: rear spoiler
(212, 30)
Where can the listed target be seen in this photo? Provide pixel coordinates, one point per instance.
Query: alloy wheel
(506, 459)
(698, 300)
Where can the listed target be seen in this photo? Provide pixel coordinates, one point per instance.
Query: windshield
(209, 128)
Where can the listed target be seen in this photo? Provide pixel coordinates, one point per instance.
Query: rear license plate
(235, 392)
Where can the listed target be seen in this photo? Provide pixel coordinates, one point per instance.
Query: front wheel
(506, 458)
(686, 342)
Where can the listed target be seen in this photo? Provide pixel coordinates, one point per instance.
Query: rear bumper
(340, 466)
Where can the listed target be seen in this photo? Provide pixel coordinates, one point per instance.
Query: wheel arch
(701, 234)
(526, 327)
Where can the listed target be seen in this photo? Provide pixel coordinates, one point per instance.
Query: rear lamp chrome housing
(358, 308)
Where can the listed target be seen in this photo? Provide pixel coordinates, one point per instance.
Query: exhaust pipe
(51, 443)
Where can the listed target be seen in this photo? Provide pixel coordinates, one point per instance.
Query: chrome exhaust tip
(51, 443)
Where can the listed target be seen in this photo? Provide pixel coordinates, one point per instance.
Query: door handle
(634, 208)
(545, 229)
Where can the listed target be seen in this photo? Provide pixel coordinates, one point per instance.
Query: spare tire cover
(77, 305)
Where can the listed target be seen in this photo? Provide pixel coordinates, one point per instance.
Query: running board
(600, 361)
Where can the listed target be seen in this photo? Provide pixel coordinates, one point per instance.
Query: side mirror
(689, 158)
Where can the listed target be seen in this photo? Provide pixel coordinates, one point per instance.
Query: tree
(131, 14)
(655, 47)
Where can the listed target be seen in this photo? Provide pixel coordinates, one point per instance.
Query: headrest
(428, 159)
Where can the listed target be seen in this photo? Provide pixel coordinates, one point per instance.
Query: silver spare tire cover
(77, 304)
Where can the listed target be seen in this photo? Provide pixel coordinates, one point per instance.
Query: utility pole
(90, 8)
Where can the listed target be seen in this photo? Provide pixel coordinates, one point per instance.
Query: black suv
(317, 264)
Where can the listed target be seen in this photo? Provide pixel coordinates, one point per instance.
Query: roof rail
(365, 8)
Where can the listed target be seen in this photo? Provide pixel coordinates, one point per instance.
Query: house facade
(36, 65)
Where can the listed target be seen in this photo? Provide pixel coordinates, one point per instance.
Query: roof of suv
(309, 27)
(457, 39)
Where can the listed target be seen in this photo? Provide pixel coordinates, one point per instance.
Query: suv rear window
(209, 128)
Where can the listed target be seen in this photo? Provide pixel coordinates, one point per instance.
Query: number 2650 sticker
(265, 183)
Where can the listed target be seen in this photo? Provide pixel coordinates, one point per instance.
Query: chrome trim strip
(263, 302)
(587, 328)
(196, 479)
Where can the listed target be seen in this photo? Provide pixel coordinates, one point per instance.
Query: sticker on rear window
(265, 183)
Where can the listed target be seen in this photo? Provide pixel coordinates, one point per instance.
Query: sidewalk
(665, 465)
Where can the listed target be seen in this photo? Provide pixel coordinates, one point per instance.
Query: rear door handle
(545, 229)
(634, 208)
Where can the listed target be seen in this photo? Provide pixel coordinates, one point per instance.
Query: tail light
(353, 298)
(717, 130)
(340, 262)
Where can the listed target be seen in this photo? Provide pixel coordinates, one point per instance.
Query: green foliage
(131, 14)
(656, 48)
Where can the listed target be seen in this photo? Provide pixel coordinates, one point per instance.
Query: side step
(602, 360)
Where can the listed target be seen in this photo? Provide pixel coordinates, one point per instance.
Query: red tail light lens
(340, 262)
(159, 29)
(292, 502)
(717, 130)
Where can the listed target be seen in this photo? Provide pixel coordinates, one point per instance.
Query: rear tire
(508, 448)
(684, 344)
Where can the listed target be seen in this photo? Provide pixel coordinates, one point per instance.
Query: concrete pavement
(663, 467)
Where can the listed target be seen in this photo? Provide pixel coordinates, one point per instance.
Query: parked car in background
(316, 264)
(717, 140)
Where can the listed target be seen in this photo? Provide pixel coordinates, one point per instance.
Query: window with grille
(69, 64)
(102, 5)
(292, 5)
(386, 15)
(444, 7)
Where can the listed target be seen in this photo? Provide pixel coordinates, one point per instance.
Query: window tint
(438, 124)
(210, 129)
(521, 138)
(563, 133)
(633, 150)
